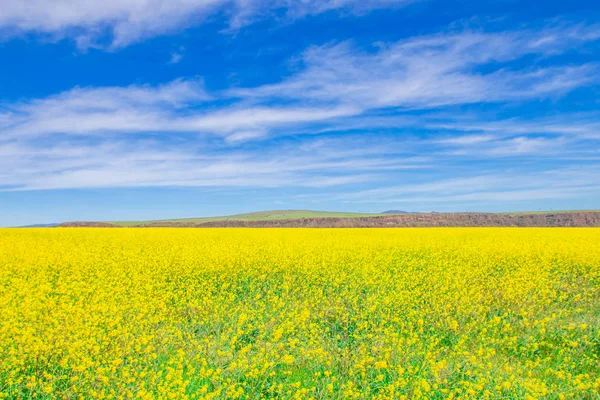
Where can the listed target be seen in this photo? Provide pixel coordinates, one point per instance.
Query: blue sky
(142, 109)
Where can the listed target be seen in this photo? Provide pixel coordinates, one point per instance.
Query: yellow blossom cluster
(482, 313)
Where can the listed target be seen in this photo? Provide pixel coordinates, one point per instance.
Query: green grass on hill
(258, 216)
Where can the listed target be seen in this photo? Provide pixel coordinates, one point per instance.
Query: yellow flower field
(300, 313)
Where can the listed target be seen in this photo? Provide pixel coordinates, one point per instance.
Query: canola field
(484, 313)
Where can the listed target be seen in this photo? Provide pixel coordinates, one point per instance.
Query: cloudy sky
(142, 109)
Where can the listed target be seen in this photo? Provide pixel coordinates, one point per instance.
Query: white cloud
(77, 163)
(247, 11)
(129, 21)
(175, 94)
(172, 107)
(434, 71)
(175, 58)
(498, 187)
(178, 134)
(582, 125)
(236, 122)
(334, 84)
(87, 110)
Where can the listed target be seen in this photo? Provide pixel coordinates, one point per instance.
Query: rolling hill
(273, 215)
(324, 219)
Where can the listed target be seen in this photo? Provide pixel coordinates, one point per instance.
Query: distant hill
(273, 215)
(395, 212)
(391, 219)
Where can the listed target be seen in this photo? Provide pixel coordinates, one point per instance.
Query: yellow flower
(284, 313)
(288, 359)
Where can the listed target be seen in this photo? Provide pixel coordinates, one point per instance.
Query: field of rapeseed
(293, 313)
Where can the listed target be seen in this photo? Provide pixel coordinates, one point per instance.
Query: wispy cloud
(582, 125)
(438, 70)
(172, 107)
(175, 58)
(333, 84)
(77, 163)
(129, 21)
(395, 105)
(498, 187)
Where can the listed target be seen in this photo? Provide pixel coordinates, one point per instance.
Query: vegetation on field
(293, 313)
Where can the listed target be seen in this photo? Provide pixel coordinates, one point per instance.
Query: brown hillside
(573, 219)
(83, 224)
